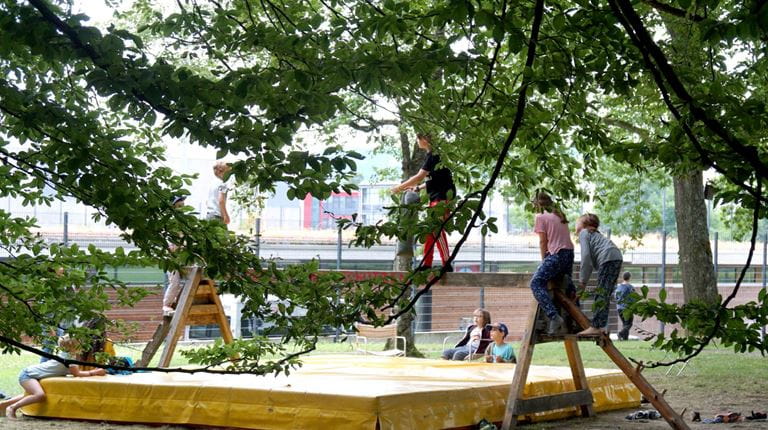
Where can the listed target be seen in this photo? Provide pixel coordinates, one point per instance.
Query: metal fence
(654, 264)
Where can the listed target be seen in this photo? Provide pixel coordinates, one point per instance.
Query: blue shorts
(24, 376)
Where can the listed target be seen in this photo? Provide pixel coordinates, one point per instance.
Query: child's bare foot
(591, 331)
(10, 413)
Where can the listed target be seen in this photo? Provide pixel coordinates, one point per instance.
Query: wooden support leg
(658, 401)
(521, 369)
(182, 309)
(153, 345)
(577, 370)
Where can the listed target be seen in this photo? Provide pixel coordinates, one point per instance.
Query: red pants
(440, 239)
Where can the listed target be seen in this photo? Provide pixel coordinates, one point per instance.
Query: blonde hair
(543, 202)
(590, 220)
(68, 344)
(486, 315)
(220, 167)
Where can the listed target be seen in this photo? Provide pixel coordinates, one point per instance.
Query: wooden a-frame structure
(198, 304)
(582, 396)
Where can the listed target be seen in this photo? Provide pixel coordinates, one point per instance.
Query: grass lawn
(716, 381)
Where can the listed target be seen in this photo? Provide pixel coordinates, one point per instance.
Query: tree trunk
(412, 160)
(695, 253)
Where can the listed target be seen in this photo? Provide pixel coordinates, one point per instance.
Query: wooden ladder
(582, 397)
(198, 304)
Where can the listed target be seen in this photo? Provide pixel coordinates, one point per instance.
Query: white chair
(366, 333)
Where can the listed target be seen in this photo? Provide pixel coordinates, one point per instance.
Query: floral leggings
(551, 268)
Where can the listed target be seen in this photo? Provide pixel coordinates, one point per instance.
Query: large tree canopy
(520, 95)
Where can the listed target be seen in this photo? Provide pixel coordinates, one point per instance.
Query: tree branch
(514, 129)
(662, 7)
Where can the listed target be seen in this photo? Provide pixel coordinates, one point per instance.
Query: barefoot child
(30, 377)
(598, 252)
(499, 351)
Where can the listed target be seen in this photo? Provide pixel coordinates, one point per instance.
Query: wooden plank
(554, 401)
(521, 369)
(202, 310)
(221, 317)
(182, 308)
(673, 418)
(577, 370)
(207, 319)
(153, 345)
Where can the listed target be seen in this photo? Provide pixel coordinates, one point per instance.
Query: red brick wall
(506, 296)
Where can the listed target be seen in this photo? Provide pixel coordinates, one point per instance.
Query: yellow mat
(332, 391)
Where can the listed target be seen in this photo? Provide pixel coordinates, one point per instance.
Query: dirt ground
(605, 420)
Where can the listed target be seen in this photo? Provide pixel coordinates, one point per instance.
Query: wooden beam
(554, 401)
(521, 369)
(656, 399)
(579, 376)
(182, 308)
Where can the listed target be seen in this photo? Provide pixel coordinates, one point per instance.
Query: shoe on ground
(591, 331)
(554, 325)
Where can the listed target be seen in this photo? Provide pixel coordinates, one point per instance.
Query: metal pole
(715, 259)
(258, 236)
(663, 269)
(482, 269)
(66, 228)
(338, 251)
(765, 251)
(337, 335)
(608, 234)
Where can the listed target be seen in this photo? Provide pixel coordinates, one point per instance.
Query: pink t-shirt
(558, 235)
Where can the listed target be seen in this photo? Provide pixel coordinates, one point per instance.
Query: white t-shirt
(212, 206)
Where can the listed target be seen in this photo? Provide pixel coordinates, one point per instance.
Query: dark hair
(424, 136)
(486, 315)
(543, 202)
(627, 275)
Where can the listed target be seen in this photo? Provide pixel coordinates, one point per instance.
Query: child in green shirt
(499, 351)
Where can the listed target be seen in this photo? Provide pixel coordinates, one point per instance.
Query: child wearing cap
(499, 351)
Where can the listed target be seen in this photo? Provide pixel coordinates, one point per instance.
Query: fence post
(765, 248)
(663, 269)
(258, 236)
(338, 251)
(65, 238)
(482, 268)
(337, 334)
(715, 259)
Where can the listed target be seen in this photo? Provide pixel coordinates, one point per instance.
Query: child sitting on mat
(30, 377)
(475, 340)
(499, 351)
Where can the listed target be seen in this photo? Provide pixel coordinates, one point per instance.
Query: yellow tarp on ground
(332, 391)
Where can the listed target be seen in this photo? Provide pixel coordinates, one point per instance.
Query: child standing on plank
(30, 377)
(440, 187)
(597, 251)
(556, 253)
